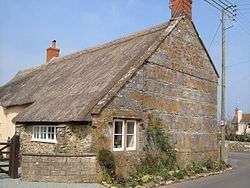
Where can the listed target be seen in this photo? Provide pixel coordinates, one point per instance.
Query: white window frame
(134, 147)
(39, 134)
(124, 135)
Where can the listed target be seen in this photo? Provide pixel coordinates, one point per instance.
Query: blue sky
(28, 26)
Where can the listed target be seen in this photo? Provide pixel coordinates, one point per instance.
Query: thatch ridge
(125, 38)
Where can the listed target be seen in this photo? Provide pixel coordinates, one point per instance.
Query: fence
(9, 152)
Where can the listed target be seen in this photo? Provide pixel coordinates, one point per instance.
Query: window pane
(35, 132)
(43, 132)
(52, 136)
(118, 141)
(130, 141)
(51, 132)
(130, 127)
(118, 127)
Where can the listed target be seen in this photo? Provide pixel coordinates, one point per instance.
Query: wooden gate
(9, 156)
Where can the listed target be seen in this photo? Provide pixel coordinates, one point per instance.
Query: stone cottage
(102, 97)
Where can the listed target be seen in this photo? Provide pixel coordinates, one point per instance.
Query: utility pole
(223, 88)
(228, 10)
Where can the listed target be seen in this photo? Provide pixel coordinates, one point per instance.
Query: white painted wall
(7, 127)
(242, 127)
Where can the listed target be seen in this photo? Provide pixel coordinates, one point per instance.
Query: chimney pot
(52, 51)
(181, 8)
(53, 44)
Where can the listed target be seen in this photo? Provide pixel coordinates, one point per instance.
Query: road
(238, 177)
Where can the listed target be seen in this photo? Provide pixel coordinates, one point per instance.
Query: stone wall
(71, 139)
(71, 159)
(181, 87)
(235, 146)
(126, 161)
(178, 84)
(59, 168)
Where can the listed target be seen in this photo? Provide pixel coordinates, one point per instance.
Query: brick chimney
(238, 114)
(52, 51)
(181, 8)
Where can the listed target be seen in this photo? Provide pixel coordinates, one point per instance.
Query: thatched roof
(69, 87)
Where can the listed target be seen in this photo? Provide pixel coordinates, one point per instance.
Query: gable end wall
(179, 84)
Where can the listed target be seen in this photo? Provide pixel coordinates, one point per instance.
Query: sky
(28, 26)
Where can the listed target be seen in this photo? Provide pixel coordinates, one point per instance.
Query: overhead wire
(215, 35)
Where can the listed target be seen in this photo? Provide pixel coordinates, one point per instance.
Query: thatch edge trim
(113, 42)
(133, 69)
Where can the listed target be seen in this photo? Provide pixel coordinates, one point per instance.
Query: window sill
(130, 149)
(127, 149)
(118, 149)
(44, 141)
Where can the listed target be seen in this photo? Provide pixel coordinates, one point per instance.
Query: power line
(244, 4)
(236, 64)
(215, 34)
(212, 4)
(229, 2)
(223, 2)
(224, 6)
(243, 28)
(228, 9)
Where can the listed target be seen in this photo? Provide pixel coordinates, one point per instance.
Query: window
(118, 135)
(124, 135)
(44, 134)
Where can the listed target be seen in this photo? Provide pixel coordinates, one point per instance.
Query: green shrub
(198, 168)
(208, 164)
(106, 161)
(215, 165)
(147, 178)
(239, 138)
(133, 181)
(159, 153)
(180, 174)
(195, 168)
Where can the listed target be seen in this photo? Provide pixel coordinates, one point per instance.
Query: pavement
(6, 182)
(238, 177)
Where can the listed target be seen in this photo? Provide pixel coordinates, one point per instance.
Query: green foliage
(159, 152)
(180, 174)
(205, 166)
(147, 178)
(159, 162)
(214, 165)
(106, 161)
(107, 177)
(1, 156)
(133, 181)
(239, 138)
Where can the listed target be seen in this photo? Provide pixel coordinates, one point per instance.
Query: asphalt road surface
(238, 177)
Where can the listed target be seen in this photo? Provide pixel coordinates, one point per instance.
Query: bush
(147, 178)
(180, 174)
(195, 168)
(159, 153)
(106, 161)
(239, 138)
